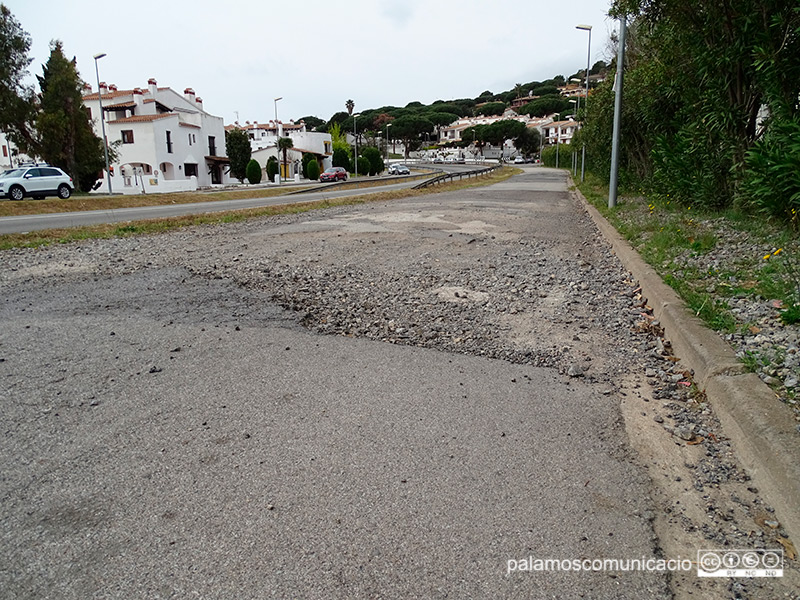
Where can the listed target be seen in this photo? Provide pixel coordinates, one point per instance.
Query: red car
(334, 174)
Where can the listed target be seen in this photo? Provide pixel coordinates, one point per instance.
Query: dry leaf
(788, 546)
(753, 329)
(695, 441)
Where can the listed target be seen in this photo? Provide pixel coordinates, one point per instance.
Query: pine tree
(17, 101)
(66, 136)
(237, 147)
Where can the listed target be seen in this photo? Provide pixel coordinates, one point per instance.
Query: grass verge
(63, 236)
(709, 258)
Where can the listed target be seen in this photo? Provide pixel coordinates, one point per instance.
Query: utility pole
(612, 188)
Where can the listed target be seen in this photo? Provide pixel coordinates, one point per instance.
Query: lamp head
(98, 56)
(584, 27)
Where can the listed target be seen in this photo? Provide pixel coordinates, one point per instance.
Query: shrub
(373, 155)
(272, 168)
(307, 158)
(341, 158)
(549, 156)
(363, 165)
(772, 178)
(237, 147)
(312, 170)
(253, 171)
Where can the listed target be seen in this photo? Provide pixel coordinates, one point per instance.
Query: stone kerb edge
(760, 428)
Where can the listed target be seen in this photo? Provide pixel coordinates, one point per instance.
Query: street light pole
(102, 117)
(612, 187)
(355, 141)
(586, 103)
(277, 138)
(572, 146)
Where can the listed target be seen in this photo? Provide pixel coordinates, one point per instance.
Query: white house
(264, 139)
(560, 131)
(10, 156)
(168, 142)
(452, 133)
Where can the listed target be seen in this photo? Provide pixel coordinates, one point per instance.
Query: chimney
(87, 89)
(152, 86)
(112, 88)
(137, 96)
(199, 102)
(188, 93)
(103, 87)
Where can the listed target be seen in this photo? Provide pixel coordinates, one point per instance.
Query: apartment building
(166, 141)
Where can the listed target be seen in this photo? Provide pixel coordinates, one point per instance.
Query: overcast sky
(240, 55)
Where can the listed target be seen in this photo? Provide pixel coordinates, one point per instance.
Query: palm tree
(284, 144)
(350, 105)
(518, 90)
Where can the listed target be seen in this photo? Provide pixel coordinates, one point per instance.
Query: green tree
(546, 105)
(66, 136)
(698, 72)
(17, 100)
(272, 168)
(284, 145)
(528, 141)
(306, 158)
(312, 122)
(312, 170)
(373, 155)
(341, 158)
(253, 171)
(350, 105)
(363, 165)
(237, 147)
(409, 129)
(440, 119)
(491, 109)
(474, 135)
(507, 129)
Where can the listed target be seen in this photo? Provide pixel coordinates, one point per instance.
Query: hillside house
(264, 138)
(168, 142)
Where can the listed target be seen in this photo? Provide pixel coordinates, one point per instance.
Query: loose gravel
(409, 273)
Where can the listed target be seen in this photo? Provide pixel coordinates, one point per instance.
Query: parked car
(519, 160)
(35, 181)
(334, 174)
(438, 160)
(399, 170)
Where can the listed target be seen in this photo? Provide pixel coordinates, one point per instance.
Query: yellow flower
(767, 256)
(778, 251)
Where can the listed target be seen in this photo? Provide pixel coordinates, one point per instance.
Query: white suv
(36, 181)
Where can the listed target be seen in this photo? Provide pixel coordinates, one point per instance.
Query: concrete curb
(761, 429)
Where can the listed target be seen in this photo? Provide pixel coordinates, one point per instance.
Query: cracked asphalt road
(171, 430)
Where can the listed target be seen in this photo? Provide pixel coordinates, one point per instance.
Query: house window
(190, 169)
(169, 142)
(5, 151)
(127, 136)
(327, 147)
(212, 145)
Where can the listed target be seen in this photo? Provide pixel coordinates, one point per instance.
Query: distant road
(22, 224)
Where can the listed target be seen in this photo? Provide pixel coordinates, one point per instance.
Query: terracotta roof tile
(109, 95)
(142, 118)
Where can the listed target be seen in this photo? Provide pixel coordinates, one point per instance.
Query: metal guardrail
(444, 177)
